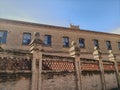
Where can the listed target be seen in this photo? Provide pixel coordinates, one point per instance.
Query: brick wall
(51, 69)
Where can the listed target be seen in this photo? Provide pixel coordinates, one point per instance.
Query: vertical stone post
(113, 59)
(36, 50)
(75, 52)
(97, 56)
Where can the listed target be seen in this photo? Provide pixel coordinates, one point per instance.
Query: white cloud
(116, 31)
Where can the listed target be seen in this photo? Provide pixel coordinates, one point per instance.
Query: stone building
(45, 57)
(16, 35)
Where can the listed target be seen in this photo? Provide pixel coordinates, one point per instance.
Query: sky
(95, 15)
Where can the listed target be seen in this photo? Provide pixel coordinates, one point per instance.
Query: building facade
(16, 35)
(45, 57)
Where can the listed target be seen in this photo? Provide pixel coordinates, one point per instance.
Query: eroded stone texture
(58, 82)
(15, 83)
(91, 81)
(110, 80)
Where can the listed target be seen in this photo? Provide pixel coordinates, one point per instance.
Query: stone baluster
(75, 52)
(113, 59)
(97, 56)
(36, 50)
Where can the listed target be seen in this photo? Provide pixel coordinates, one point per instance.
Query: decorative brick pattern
(108, 66)
(89, 65)
(118, 66)
(57, 64)
(15, 64)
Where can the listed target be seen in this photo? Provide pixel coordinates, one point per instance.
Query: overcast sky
(97, 15)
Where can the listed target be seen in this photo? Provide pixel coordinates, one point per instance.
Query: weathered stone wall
(63, 81)
(91, 81)
(15, 82)
(56, 73)
(15, 73)
(110, 80)
(58, 81)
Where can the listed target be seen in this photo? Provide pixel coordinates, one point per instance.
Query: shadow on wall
(15, 82)
(116, 89)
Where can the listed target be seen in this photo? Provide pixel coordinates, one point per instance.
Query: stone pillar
(75, 52)
(36, 49)
(113, 59)
(97, 56)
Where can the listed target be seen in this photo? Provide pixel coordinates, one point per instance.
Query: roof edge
(52, 26)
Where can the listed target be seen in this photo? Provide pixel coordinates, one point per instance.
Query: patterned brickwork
(108, 66)
(89, 65)
(15, 64)
(57, 64)
(118, 66)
